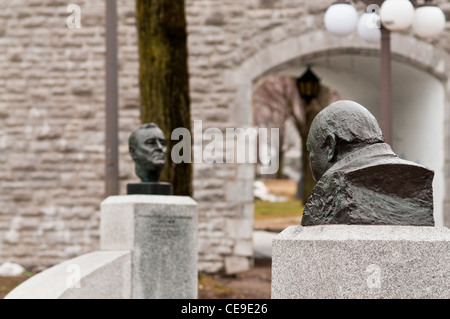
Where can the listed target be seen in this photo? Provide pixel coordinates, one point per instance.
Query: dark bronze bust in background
(147, 146)
(360, 180)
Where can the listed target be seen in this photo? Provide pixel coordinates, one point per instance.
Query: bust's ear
(132, 151)
(331, 147)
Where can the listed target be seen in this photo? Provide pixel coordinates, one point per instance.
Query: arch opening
(420, 96)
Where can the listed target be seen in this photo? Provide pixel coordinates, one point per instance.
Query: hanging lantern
(308, 86)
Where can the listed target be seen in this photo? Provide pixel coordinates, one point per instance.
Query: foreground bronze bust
(360, 180)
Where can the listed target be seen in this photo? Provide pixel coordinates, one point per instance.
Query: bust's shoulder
(375, 157)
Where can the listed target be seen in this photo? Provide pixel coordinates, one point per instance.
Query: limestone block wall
(52, 126)
(52, 118)
(51, 132)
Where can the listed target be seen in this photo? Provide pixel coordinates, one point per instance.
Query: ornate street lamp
(427, 21)
(308, 86)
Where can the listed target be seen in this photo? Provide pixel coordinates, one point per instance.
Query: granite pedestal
(161, 231)
(349, 261)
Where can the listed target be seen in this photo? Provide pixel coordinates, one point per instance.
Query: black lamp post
(308, 86)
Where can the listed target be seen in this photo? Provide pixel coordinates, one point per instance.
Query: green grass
(264, 209)
(211, 288)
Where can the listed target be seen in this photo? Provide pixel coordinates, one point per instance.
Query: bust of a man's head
(147, 146)
(360, 180)
(338, 129)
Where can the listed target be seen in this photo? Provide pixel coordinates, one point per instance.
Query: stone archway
(306, 47)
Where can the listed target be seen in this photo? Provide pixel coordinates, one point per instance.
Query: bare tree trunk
(276, 100)
(164, 79)
(308, 181)
(311, 110)
(279, 174)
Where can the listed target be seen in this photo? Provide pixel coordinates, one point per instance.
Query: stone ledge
(98, 275)
(146, 199)
(370, 233)
(341, 261)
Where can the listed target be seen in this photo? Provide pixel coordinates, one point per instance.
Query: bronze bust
(360, 180)
(147, 147)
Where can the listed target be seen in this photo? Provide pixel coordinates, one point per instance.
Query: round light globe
(429, 22)
(397, 15)
(369, 27)
(341, 19)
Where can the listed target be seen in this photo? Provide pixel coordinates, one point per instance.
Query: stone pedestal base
(161, 231)
(342, 261)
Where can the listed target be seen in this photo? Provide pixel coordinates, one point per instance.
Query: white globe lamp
(369, 27)
(341, 19)
(429, 21)
(397, 15)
